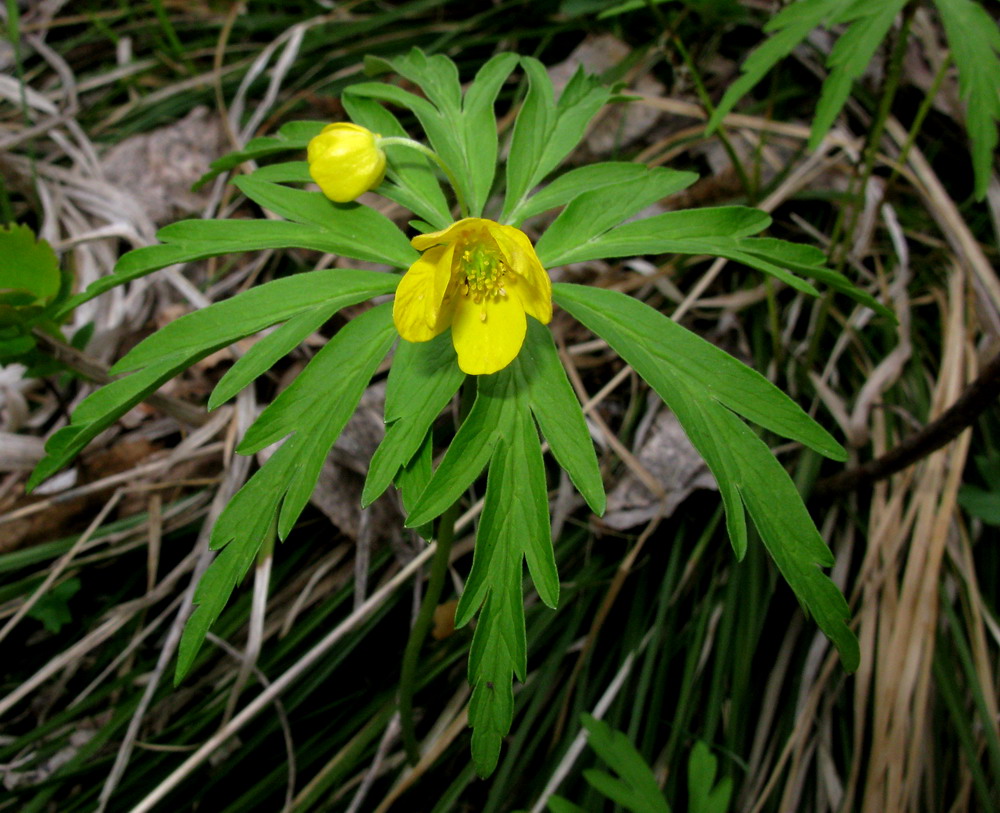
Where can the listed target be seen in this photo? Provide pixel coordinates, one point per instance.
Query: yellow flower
(481, 278)
(346, 160)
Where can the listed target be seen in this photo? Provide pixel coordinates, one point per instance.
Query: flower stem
(439, 569)
(399, 141)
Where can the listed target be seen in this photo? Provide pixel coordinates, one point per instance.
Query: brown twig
(979, 395)
(92, 369)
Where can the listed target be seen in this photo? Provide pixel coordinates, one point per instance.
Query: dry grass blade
(289, 677)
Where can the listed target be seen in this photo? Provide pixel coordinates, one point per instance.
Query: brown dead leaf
(160, 166)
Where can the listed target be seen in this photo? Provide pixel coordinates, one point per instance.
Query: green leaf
(462, 133)
(559, 415)
(546, 132)
(479, 127)
(423, 379)
(974, 40)
(415, 186)
(636, 790)
(295, 135)
(981, 503)
(102, 408)
(704, 796)
(314, 410)
(701, 386)
(52, 608)
(591, 214)
(571, 184)
(27, 266)
(514, 526)
(518, 515)
(557, 804)
(721, 231)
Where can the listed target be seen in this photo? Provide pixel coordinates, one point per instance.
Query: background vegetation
(108, 113)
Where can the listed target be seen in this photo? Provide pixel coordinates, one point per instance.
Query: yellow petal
(532, 284)
(417, 309)
(487, 345)
(422, 242)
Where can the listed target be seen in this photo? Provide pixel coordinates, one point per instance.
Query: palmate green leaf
(295, 135)
(361, 230)
(546, 132)
(413, 182)
(186, 340)
(559, 416)
(350, 230)
(441, 131)
(28, 267)
(975, 46)
(685, 354)
(720, 231)
(557, 804)
(255, 309)
(436, 75)
(652, 235)
(809, 262)
(313, 410)
(463, 133)
(518, 516)
(704, 387)
(591, 214)
(636, 789)
(479, 125)
(704, 795)
(423, 379)
(514, 526)
(263, 355)
(574, 183)
(869, 23)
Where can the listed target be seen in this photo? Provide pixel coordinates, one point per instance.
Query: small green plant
(975, 48)
(33, 290)
(470, 312)
(635, 788)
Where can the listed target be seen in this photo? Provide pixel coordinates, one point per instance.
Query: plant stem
(918, 120)
(407, 680)
(889, 89)
(978, 396)
(399, 141)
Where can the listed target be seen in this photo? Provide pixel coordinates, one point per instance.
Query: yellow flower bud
(345, 160)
